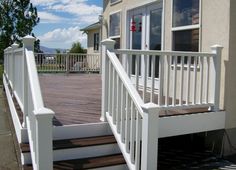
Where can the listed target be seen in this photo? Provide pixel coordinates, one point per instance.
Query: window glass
(115, 24)
(185, 12)
(187, 40)
(96, 42)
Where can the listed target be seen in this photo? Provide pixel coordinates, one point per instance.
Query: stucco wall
(230, 71)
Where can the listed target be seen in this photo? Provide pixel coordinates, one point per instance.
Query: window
(114, 24)
(114, 1)
(96, 41)
(185, 12)
(185, 26)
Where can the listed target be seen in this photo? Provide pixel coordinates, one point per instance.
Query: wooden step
(75, 143)
(86, 163)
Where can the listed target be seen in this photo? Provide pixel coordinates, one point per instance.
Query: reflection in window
(115, 24)
(136, 31)
(185, 12)
(186, 40)
(155, 38)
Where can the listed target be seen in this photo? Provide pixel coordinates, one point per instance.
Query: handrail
(129, 118)
(127, 82)
(34, 81)
(21, 73)
(156, 52)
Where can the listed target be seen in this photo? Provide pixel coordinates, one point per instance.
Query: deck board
(75, 98)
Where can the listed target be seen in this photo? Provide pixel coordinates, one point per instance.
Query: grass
(1, 72)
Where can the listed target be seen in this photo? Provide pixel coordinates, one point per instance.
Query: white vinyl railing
(21, 74)
(132, 122)
(133, 95)
(170, 78)
(67, 62)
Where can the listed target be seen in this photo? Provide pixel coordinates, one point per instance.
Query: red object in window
(133, 25)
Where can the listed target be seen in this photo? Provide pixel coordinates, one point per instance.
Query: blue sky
(61, 21)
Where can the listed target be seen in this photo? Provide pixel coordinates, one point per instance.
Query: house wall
(230, 84)
(90, 41)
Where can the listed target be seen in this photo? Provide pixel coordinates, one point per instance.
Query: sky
(61, 21)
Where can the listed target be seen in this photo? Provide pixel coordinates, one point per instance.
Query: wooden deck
(75, 98)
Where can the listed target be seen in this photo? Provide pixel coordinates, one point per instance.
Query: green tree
(17, 19)
(77, 48)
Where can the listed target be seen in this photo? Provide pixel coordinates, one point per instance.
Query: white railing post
(28, 43)
(14, 47)
(149, 136)
(67, 63)
(44, 153)
(217, 50)
(107, 44)
(9, 64)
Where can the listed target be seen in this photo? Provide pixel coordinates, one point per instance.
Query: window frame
(187, 27)
(115, 36)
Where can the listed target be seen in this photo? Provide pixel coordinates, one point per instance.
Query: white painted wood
(167, 79)
(181, 81)
(127, 124)
(121, 145)
(81, 130)
(195, 81)
(149, 137)
(217, 50)
(161, 80)
(201, 65)
(43, 152)
(174, 58)
(188, 80)
(159, 53)
(138, 141)
(153, 78)
(118, 114)
(192, 123)
(85, 152)
(21, 132)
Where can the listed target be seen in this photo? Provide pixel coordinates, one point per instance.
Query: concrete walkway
(9, 159)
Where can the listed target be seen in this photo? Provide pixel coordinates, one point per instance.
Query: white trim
(188, 27)
(21, 133)
(114, 3)
(109, 26)
(142, 4)
(191, 123)
(81, 130)
(113, 37)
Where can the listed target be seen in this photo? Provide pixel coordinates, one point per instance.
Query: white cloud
(46, 17)
(78, 10)
(63, 38)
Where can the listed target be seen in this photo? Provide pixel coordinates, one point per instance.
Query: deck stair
(97, 152)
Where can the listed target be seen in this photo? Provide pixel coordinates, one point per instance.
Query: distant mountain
(50, 50)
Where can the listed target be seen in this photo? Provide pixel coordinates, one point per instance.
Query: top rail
(161, 53)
